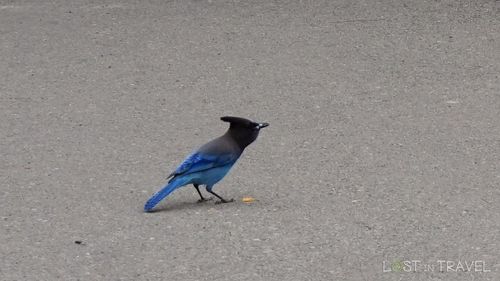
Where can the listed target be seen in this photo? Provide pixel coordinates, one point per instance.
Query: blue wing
(199, 161)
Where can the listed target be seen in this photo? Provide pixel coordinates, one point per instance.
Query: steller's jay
(211, 162)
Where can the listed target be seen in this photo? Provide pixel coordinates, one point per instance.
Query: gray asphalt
(384, 144)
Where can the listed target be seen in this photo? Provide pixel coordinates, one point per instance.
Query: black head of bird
(242, 130)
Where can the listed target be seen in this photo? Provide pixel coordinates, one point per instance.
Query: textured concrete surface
(384, 144)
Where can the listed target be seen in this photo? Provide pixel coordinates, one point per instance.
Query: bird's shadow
(177, 206)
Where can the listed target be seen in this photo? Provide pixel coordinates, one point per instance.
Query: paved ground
(384, 144)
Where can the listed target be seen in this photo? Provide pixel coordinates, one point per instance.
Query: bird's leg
(222, 200)
(202, 199)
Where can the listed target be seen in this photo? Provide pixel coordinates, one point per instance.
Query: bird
(212, 161)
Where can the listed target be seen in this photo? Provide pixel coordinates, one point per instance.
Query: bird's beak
(263, 125)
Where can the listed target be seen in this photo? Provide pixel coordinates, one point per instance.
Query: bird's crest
(235, 120)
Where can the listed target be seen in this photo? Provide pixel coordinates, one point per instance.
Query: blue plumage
(211, 162)
(199, 161)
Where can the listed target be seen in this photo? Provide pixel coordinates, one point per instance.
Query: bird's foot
(224, 201)
(204, 200)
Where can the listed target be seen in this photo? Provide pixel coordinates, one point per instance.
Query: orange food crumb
(248, 199)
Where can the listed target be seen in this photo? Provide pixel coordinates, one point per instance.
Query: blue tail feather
(164, 192)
